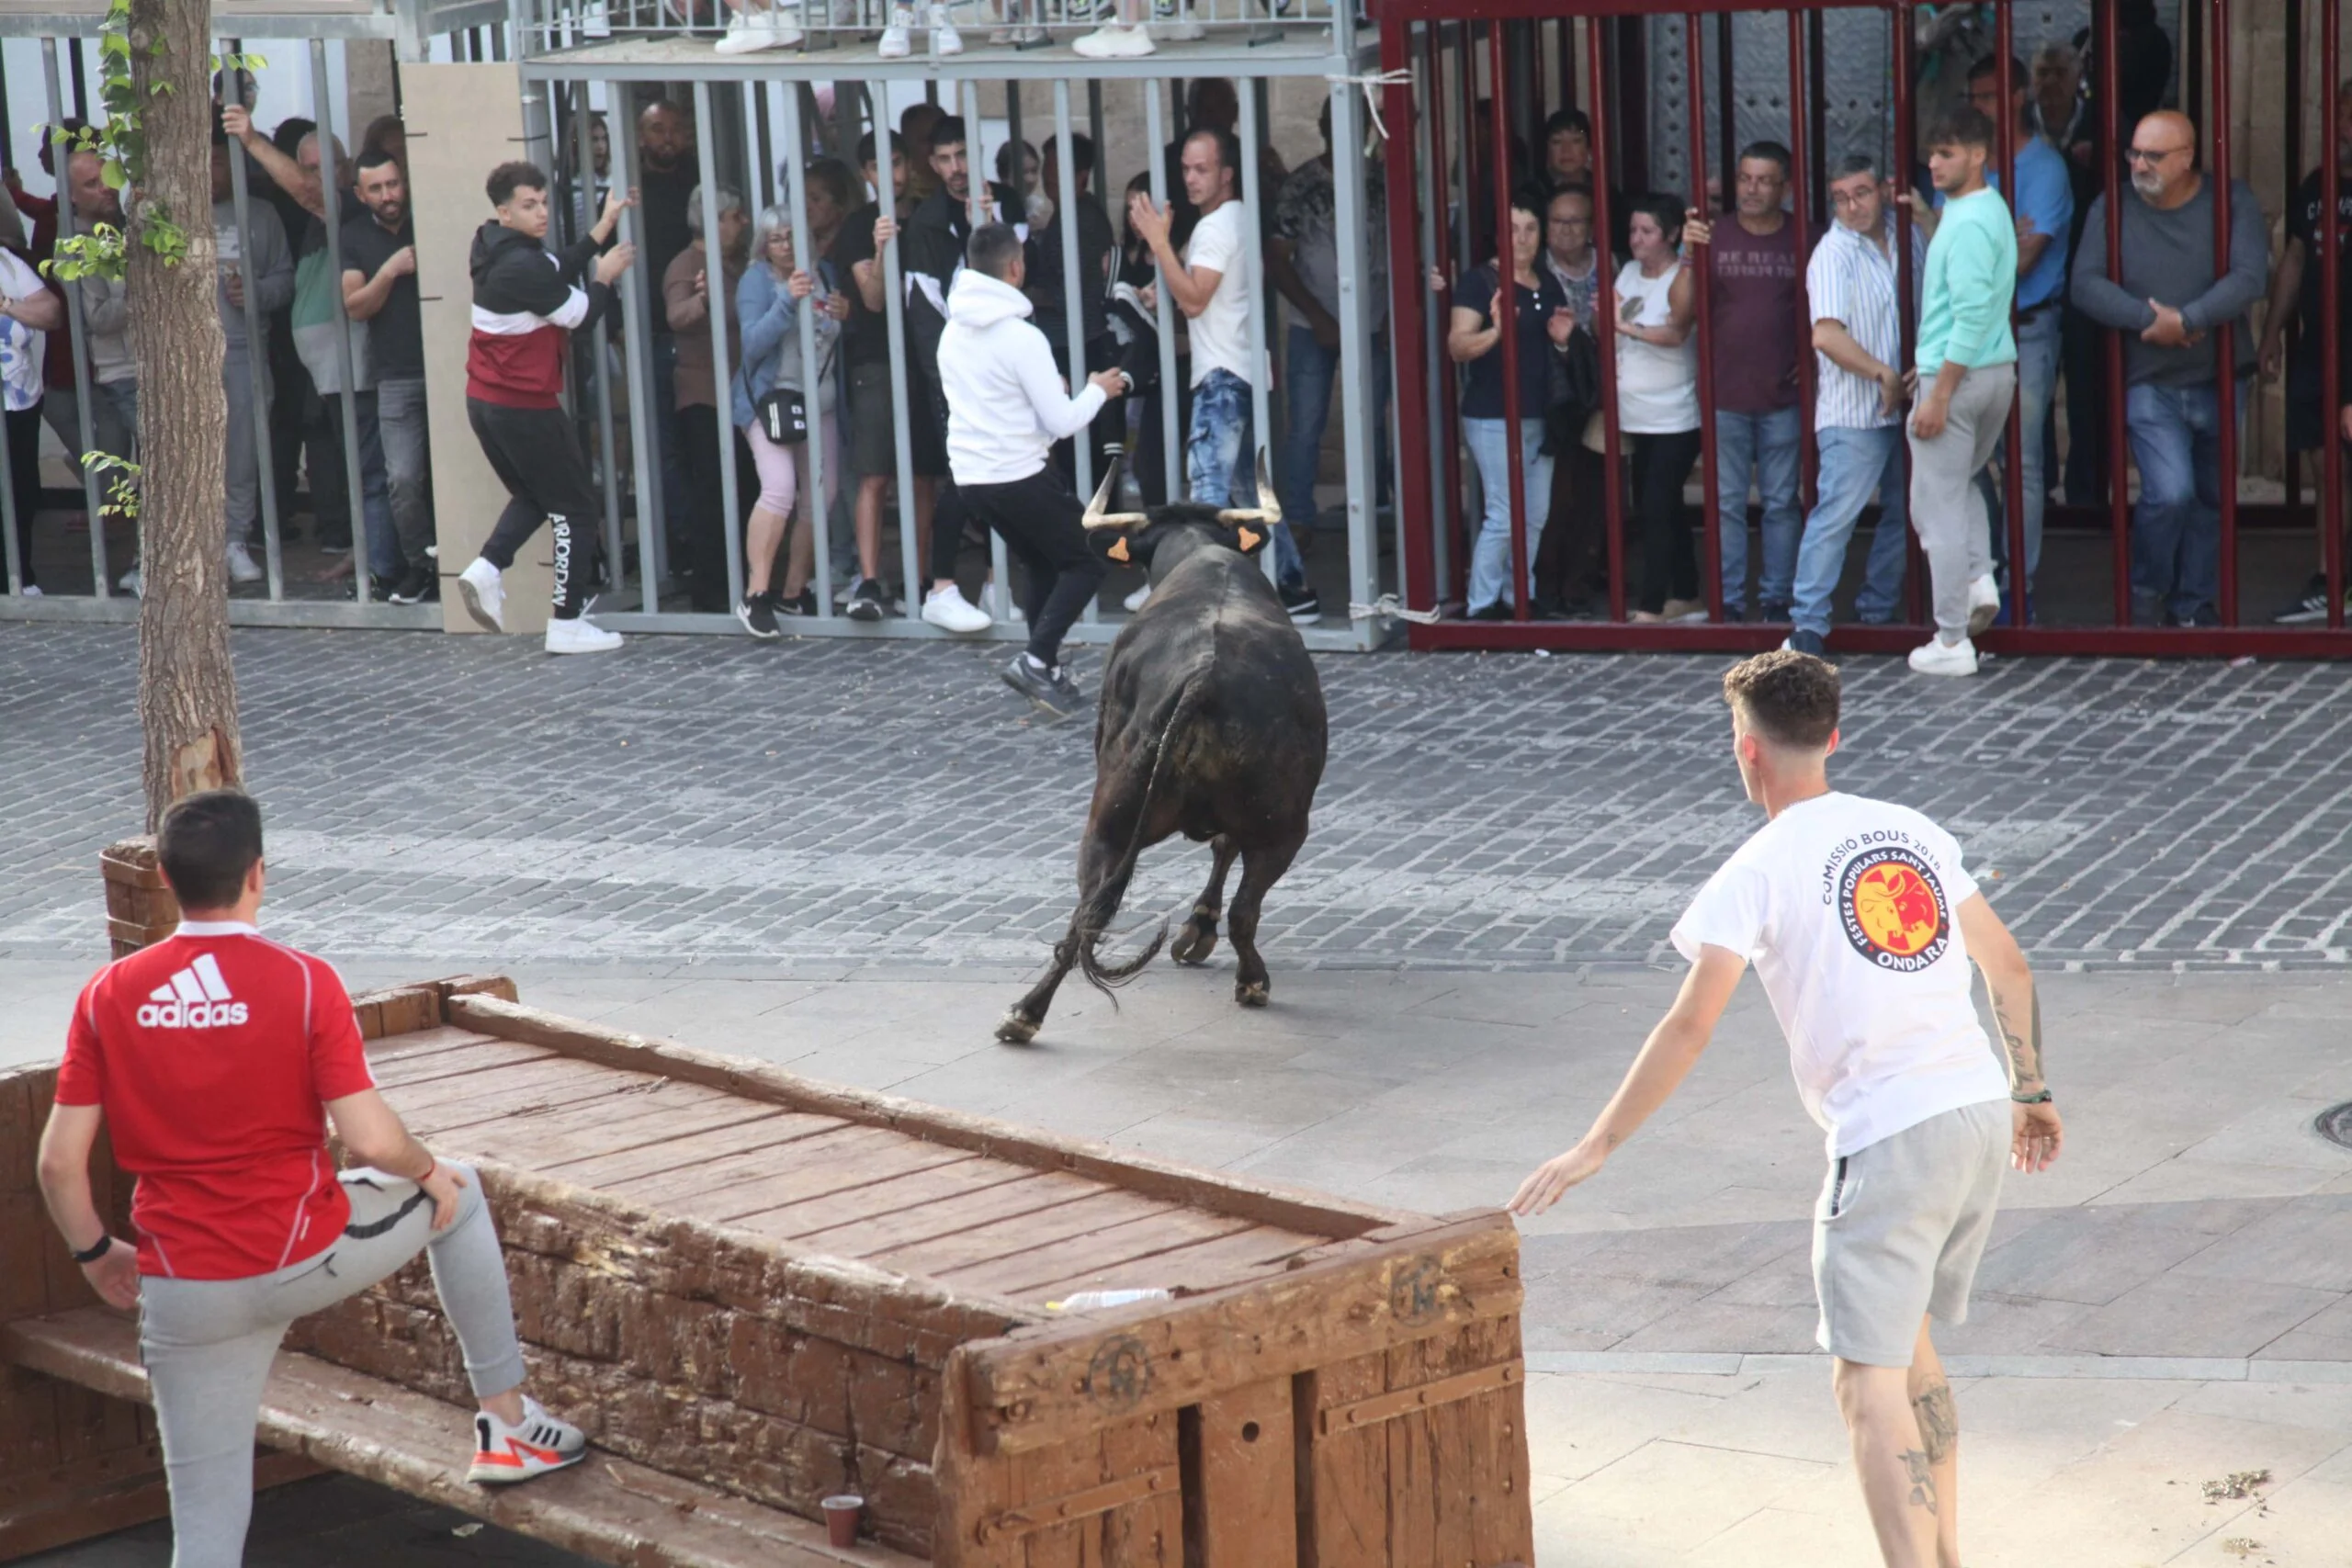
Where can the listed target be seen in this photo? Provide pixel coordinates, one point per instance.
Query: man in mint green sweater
(1968, 374)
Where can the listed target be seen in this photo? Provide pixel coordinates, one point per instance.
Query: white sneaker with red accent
(537, 1444)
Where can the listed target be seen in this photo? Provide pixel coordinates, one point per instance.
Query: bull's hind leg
(1101, 887)
(1198, 939)
(1260, 869)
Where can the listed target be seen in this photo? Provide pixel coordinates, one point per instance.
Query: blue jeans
(1768, 446)
(383, 552)
(1855, 465)
(2039, 340)
(1309, 369)
(1221, 461)
(1490, 556)
(2177, 522)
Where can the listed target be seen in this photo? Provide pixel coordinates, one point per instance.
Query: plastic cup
(840, 1519)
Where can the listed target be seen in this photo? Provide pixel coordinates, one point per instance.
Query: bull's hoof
(1016, 1030)
(1193, 944)
(1251, 993)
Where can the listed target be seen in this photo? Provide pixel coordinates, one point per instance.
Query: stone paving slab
(709, 800)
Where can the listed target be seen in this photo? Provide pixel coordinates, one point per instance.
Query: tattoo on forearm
(1922, 1483)
(2023, 1038)
(1938, 1421)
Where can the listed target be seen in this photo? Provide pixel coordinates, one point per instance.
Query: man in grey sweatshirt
(2173, 297)
(258, 259)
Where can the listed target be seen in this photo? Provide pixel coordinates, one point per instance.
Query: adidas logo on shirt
(197, 998)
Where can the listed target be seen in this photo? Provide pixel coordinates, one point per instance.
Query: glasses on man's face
(1849, 198)
(2151, 154)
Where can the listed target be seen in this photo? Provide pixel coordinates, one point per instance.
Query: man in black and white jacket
(1006, 407)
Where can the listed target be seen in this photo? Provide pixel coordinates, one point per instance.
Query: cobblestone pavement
(825, 805)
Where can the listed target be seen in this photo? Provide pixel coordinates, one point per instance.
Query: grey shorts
(1900, 1227)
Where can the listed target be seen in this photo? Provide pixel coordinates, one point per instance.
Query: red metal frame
(1611, 461)
(1511, 26)
(2013, 457)
(1701, 266)
(2330, 499)
(1507, 319)
(2225, 384)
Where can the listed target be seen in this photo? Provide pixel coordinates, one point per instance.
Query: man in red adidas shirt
(527, 303)
(216, 1059)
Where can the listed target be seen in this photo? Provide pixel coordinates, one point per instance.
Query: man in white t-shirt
(1210, 284)
(1861, 920)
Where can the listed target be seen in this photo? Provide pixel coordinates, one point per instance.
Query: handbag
(784, 416)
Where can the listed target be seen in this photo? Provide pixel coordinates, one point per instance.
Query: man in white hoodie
(1006, 407)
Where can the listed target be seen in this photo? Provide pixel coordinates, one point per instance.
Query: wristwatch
(97, 1249)
(2040, 1098)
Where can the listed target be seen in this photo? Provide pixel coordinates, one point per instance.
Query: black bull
(1211, 725)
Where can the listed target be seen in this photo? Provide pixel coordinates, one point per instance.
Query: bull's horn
(1097, 516)
(1269, 508)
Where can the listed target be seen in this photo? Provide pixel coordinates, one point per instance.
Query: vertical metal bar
(977, 206)
(1726, 114)
(1507, 314)
(2225, 332)
(912, 566)
(762, 106)
(1015, 150)
(76, 329)
(256, 367)
(1248, 189)
(1905, 126)
(1416, 230)
(645, 450)
(1101, 138)
(2331, 316)
(1702, 270)
(2118, 451)
(1173, 473)
(2013, 459)
(1465, 257)
(1358, 365)
(1613, 478)
(608, 449)
(1799, 214)
(811, 380)
(1073, 300)
(1818, 101)
(331, 197)
(722, 367)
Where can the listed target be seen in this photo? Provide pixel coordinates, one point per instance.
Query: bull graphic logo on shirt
(1894, 910)
(196, 997)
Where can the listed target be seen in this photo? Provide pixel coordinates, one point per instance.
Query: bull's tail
(1086, 933)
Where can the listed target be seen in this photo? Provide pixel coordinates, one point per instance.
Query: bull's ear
(1114, 545)
(1249, 537)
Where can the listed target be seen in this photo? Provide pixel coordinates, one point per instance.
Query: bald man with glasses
(2171, 298)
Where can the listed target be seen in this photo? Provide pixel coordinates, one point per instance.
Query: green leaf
(112, 175)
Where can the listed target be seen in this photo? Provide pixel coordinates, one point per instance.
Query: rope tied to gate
(1389, 607)
(1372, 85)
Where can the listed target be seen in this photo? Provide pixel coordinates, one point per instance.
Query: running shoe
(484, 594)
(534, 1446)
(757, 612)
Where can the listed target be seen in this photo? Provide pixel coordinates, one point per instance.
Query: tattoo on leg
(1923, 1481)
(1938, 1421)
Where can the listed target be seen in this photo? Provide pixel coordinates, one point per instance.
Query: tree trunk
(187, 689)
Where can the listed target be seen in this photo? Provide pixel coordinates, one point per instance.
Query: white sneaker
(242, 568)
(749, 30)
(580, 634)
(1138, 599)
(539, 1443)
(130, 581)
(1983, 603)
(1937, 657)
(896, 40)
(29, 591)
(1114, 41)
(484, 594)
(947, 609)
(944, 38)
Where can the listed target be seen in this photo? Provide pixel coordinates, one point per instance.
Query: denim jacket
(771, 326)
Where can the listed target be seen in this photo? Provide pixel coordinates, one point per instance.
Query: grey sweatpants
(209, 1343)
(1947, 508)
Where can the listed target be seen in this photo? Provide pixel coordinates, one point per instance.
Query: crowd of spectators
(1872, 413)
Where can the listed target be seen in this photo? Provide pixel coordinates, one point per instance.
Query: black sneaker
(1038, 685)
(1498, 610)
(2311, 607)
(757, 612)
(418, 585)
(1067, 685)
(1803, 641)
(806, 605)
(1304, 608)
(1773, 613)
(865, 601)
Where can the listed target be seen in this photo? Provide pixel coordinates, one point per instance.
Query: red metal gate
(1431, 53)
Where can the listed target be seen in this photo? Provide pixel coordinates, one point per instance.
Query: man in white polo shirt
(1861, 922)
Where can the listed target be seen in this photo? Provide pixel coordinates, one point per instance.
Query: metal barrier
(1597, 55)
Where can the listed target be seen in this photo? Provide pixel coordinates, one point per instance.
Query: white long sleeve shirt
(1006, 403)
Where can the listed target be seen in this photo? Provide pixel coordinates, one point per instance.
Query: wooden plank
(796, 1142)
(428, 1041)
(1343, 1500)
(1138, 1240)
(407, 1073)
(1133, 1466)
(607, 1094)
(1218, 1192)
(1444, 1469)
(1243, 1512)
(857, 1212)
(1029, 1192)
(1205, 1265)
(1021, 1233)
(605, 1169)
(550, 1079)
(904, 1157)
(1035, 1387)
(658, 1119)
(403, 1009)
(611, 1509)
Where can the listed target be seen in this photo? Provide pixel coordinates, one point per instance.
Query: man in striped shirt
(1858, 406)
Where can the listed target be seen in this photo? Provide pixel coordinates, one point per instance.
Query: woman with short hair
(767, 304)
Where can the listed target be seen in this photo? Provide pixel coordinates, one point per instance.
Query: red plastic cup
(840, 1517)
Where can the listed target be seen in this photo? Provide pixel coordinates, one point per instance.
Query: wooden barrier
(754, 1290)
